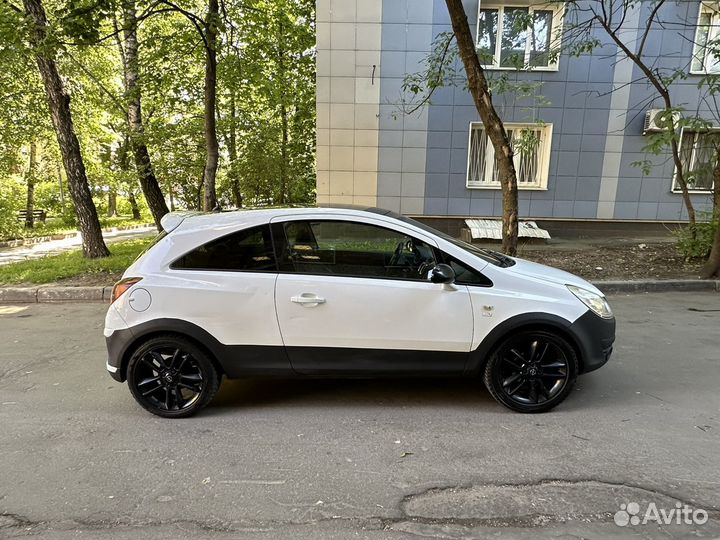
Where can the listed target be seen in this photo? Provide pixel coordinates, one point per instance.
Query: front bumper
(595, 337)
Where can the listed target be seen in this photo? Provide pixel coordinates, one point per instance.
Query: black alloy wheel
(171, 377)
(532, 371)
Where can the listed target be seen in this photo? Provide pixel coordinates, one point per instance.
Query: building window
(531, 149)
(697, 154)
(706, 39)
(515, 37)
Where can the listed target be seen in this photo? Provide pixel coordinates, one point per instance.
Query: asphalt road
(360, 459)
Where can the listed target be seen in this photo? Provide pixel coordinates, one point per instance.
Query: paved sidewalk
(53, 247)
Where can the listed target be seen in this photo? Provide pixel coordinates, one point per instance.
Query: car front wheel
(532, 371)
(172, 377)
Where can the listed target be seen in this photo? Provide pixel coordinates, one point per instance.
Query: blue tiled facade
(597, 121)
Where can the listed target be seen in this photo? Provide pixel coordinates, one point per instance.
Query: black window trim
(446, 258)
(171, 266)
(279, 224)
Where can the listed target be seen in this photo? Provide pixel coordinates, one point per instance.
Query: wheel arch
(526, 321)
(171, 327)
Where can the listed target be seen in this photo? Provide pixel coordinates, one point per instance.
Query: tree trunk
(59, 103)
(134, 206)
(211, 161)
(712, 266)
(477, 83)
(232, 152)
(284, 155)
(112, 203)
(680, 175)
(129, 54)
(283, 114)
(30, 180)
(60, 185)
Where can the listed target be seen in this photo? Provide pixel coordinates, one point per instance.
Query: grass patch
(72, 264)
(55, 225)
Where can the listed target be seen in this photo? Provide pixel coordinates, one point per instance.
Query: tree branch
(102, 87)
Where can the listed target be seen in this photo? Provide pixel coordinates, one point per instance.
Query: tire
(172, 377)
(531, 371)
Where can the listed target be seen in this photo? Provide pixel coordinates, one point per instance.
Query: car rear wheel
(532, 371)
(172, 377)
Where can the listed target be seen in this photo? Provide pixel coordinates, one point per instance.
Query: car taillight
(122, 286)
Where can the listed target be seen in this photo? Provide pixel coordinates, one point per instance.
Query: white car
(344, 292)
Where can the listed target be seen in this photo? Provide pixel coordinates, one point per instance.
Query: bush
(696, 245)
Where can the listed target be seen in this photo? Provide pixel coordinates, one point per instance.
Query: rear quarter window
(249, 250)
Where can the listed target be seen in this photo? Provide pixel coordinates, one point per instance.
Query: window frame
(557, 18)
(280, 241)
(543, 169)
(713, 33)
(675, 188)
(173, 268)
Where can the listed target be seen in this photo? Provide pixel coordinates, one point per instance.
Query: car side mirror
(442, 273)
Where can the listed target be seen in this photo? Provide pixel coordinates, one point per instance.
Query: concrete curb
(55, 295)
(40, 239)
(657, 285)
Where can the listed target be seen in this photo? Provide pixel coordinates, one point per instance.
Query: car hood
(548, 273)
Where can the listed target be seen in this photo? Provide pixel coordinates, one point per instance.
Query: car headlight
(594, 301)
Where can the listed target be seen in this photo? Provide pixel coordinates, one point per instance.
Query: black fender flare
(478, 357)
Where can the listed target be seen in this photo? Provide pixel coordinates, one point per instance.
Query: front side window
(464, 275)
(698, 150)
(515, 37)
(345, 248)
(531, 150)
(706, 51)
(249, 250)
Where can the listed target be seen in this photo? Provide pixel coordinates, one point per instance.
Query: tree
(210, 201)
(612, 18)
(712, 266)
(129, 55)
(59, 104)
(30, 178)
(477, 83)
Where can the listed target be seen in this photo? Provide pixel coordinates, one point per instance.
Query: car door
(352, 296)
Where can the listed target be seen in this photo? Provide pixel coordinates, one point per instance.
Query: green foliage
(695, 240)
(72, 264)
(266, 65)
(10, 194)
(81, 20)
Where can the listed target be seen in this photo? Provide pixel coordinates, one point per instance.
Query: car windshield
(487, 255)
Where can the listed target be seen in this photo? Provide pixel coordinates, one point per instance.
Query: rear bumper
(117, 343)
(595, 337)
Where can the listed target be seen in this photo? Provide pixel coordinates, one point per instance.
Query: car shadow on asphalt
(591, 391)
(341, 392)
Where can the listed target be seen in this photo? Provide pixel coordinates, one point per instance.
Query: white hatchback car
(344, 292)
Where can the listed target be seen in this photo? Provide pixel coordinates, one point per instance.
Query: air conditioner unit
(656, 121)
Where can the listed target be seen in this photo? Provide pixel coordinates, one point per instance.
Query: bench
(491, 229)
(38, 215)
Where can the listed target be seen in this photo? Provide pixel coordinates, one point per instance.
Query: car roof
(202, 220)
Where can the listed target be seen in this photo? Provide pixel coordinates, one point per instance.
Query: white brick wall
(348, 96)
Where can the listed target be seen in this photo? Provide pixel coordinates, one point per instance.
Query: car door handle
(307, 299)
